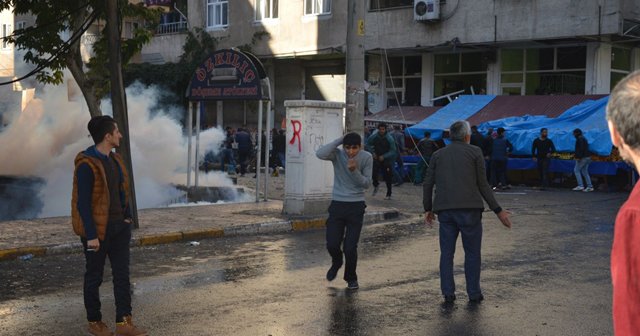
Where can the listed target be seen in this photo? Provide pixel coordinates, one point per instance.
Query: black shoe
(352, 285)
(477, 300)
(449, 298)
(333, 271)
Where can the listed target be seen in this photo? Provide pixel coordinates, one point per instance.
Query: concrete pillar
(635, 59)
(493, 76)
(309, 180)
(427, 80)
(598, 73)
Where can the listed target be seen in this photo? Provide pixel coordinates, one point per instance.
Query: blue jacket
(500, 149)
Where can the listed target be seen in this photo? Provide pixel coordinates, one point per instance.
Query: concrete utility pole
(355, 66)
(118, 98)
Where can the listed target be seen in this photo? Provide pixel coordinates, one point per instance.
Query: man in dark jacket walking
(583, 159)
(381, 145)
(457, 171)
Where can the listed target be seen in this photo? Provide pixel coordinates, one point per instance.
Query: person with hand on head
(623, 118)
(458, 173)
(352, 168)
(101, 216)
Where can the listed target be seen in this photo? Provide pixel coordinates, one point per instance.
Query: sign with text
(226, 74)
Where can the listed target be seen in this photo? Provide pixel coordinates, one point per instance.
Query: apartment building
(419, 52)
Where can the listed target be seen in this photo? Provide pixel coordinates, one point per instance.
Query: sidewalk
(47, 236)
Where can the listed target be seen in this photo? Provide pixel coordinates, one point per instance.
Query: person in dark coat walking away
(101, 216)
(426, 148)
(541, 150)
(457, 172)
(583, 159)
(352, 168)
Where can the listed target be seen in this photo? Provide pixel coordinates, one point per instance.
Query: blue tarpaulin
(460, 109)
(589, 116)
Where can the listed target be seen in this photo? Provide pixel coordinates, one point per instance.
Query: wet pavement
(549, 275)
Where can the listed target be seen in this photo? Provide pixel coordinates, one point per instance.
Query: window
(316, 7)
(21, 25)
(6, 31)
(457, 72)
(403, 80)
(383, 4)
(544, 71)
(266, 9)
(620, 64)
(217, 13)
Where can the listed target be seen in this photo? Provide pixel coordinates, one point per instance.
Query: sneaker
(126, 328)
(588, 189)
(388, 197)
(375, 191)
(333, 271)
(578, 188)
(449, 298)
(353, 285)
(98, 328)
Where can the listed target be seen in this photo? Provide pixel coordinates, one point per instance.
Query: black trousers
(387, 173)
(543, 171)
(116, 247)
(343, 228)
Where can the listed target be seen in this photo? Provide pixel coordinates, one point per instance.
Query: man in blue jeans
(583, 159)
(352, 168)
(458, 171)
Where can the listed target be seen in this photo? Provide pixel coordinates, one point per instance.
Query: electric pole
(355, 66)
(118, 97)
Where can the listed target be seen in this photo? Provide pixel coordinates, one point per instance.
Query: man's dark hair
(623, 109)
(427, 134)
(380, 125)
(500, 131)
(577, 132)
(474, 128)
(100, 126)
(352, 139)
(543, 129)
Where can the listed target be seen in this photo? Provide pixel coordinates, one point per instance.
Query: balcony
(171, 28)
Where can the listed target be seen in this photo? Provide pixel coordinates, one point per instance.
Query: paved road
(547, 276)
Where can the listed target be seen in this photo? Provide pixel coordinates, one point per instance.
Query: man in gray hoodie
(352, 168)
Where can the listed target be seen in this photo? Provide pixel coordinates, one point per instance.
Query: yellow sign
(361, 27)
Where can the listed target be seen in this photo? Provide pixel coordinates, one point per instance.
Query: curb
(284, 226)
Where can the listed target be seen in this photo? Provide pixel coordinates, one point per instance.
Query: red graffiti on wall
(297, 127)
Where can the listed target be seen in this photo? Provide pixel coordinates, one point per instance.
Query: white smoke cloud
(44, 139)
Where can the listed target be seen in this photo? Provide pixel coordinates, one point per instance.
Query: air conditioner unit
(426, 10)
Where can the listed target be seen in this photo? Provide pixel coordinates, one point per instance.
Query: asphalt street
(549, 275)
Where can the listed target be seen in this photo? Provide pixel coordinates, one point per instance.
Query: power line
(65, 47)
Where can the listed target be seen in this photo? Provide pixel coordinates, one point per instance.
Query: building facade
(419, 58)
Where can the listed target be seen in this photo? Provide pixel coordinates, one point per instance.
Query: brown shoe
(98, 328)
(126, 328)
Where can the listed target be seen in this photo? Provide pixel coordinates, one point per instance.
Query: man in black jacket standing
(541, 151)
(583, 159)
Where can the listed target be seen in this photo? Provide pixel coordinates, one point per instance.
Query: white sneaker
(588, 189)
(578, 188)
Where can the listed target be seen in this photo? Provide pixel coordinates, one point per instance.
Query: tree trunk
(76, 67)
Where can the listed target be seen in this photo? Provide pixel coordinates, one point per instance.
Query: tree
(46, 48)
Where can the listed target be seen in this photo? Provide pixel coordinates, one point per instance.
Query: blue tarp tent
(460, 109)
(589, 116)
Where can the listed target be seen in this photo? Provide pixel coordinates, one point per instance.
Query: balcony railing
(157, 2)
(171, 28)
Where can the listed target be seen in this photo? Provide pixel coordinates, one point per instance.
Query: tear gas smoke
(44, 139)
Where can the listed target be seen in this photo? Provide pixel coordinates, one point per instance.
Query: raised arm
(329, 151)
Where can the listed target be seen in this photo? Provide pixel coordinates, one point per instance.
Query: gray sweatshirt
(348, 186)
